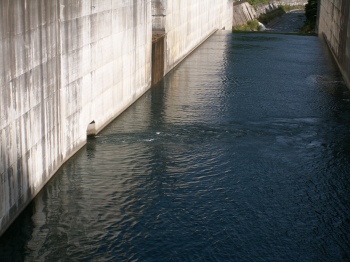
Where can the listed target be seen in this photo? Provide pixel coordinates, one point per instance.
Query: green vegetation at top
(255, 2)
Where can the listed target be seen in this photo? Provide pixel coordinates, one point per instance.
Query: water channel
(241, 153)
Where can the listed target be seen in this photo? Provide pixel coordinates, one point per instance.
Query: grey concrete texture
(334, 26)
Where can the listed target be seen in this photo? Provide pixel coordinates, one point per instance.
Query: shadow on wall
(157, 57)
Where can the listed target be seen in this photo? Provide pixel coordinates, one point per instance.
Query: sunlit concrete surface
(64, 64)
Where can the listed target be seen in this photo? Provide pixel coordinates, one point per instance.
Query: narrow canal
(242, 153)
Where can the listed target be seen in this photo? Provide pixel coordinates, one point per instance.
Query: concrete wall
(186, 24)
(243, 12)
(69, 67)
(334, 25)
(63, 64)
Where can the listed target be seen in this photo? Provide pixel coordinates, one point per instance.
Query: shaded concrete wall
(157, 57)
(63, 64)
(186, 24)
(334, 25)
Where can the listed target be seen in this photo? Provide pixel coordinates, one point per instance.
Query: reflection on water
(240, 153)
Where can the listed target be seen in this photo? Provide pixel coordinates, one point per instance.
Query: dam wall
(334, 26)
(66, 66)
(186, 24)
(69, 67)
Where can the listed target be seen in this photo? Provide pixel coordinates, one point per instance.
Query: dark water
(242, 153)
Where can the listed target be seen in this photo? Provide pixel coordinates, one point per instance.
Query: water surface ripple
(240, 154)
